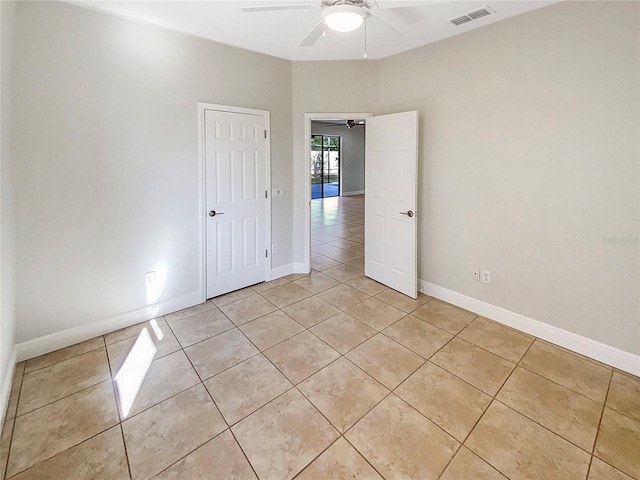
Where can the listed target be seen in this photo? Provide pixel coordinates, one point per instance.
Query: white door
(236, 204)
(391, 167)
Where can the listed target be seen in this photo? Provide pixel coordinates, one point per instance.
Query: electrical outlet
(274, 248)
(476, 274)
(486, 276)
(150, 277)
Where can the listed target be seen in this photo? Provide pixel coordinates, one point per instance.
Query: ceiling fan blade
(395, 5)
(378, 17)
(272, 8)
(313, 36)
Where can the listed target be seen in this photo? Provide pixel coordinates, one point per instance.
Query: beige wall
(529, 161)
(105, 137)
(7, 255)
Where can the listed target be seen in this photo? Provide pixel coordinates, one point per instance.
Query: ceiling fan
(347, 123)
(338, 15)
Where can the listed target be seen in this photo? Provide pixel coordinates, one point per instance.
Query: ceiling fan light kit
(343, 18)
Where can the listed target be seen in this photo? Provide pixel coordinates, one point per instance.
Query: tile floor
(322, 376)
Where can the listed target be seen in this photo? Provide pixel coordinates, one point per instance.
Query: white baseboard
(288, 269)
(300, 268)
(282, 271)
(355, 192)
(601, 352)
(49, 343)
(5, 393)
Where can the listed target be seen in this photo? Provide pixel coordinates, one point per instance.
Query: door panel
(224, 242)
(375, 245)
(391, 148)
(224, 172)
(249, 177)
(249, 242)
(235, 183)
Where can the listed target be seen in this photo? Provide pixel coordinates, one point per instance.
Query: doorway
(325, 166)
(390, 198)
(338, 123)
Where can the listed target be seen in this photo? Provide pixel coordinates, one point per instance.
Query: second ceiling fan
(342, 123)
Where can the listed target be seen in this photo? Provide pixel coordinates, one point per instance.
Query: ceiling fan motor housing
(355, 3)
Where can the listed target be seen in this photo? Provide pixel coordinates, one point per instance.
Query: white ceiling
(278, 33)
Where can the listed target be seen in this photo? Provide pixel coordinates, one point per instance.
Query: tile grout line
(541, 425)
(524, 367)
(295, 385)
(63, 398)
(389, 391)
(119, 423)
(495, 399)
(161, 401)
(392, 391)
(595, 440)
(235, 439)
(484, 411)
(115, 395)
(632, 419)
(13, 427)
(360, 453)
(212, 400)
(64, 359)
(214, 403)
(316, 457)
(489, 351)
(65, 450)
(602, 405)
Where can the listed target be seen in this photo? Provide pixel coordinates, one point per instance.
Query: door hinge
(265, 134)
(266, 253)
(265, 194)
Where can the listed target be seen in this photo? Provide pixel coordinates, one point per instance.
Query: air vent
(460, 20)
(483, 12)
(476, 14)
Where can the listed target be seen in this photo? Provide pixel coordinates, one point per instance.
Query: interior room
(133, 346)
(337, 157)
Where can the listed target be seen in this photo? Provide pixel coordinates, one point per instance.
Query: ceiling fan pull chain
(365, 36)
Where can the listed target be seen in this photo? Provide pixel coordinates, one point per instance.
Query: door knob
(408, 213)
(212, 213)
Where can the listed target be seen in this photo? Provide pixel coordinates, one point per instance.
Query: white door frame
(308, 117)
(202, 208)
